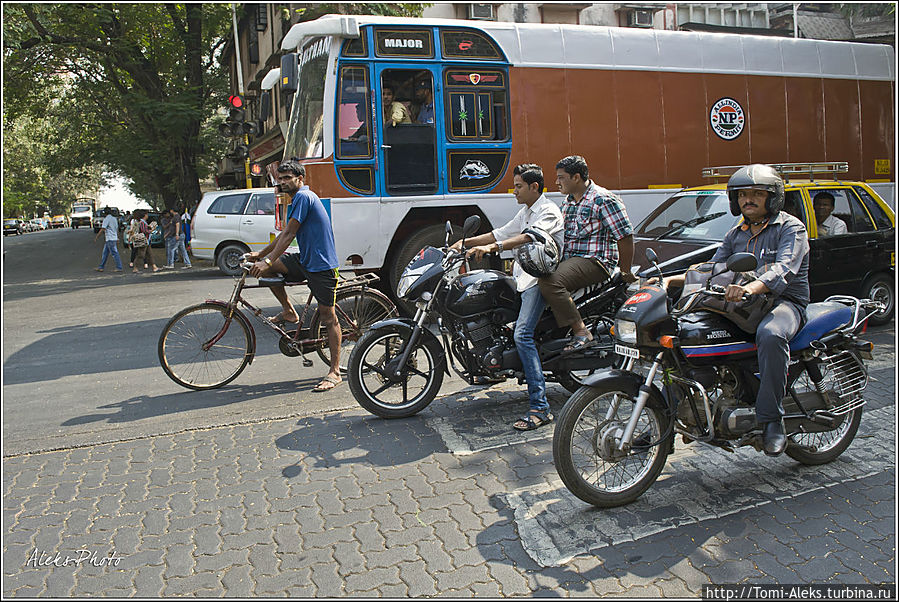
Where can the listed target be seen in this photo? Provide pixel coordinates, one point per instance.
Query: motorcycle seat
(822, 318)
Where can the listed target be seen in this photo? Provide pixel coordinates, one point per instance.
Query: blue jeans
(170, 245)
(111, 248)
(532, 306)
(181, 248)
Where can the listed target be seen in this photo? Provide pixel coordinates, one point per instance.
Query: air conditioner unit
(482, 12)
(639, 18)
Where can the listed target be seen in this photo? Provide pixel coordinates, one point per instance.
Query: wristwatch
(499, 246)
(267, 260)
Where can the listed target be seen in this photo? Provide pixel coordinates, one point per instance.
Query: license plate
(627, 351)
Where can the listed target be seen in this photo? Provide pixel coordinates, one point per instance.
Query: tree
(138, 87)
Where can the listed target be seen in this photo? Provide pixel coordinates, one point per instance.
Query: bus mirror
(289, 72)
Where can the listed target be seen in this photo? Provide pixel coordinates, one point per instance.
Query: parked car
(229, 223)
(58, 221)
(688, 228)
(37, 224)
(12, 226)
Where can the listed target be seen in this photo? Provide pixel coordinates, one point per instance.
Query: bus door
(408, 111)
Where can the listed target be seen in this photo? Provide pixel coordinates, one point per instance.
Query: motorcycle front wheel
(585, 446)
(383, 395)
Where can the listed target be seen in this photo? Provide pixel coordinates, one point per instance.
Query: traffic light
(237, 114)
(240, 151)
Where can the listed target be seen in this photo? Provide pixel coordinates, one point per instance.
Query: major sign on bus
(648, 109)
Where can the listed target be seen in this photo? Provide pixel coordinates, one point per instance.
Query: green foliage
(132, 87)
(316, 10)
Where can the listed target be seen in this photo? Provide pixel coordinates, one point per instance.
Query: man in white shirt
(111, 228)
(828, 225)
(538, 212)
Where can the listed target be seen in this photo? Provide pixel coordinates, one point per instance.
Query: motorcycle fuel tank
(482, 290)
(708, 338)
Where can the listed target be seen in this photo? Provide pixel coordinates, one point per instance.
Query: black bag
(745, 314)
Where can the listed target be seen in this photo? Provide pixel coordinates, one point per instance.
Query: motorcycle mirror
(651, 255)
(742, 262)
(471, 225)
(449, 232)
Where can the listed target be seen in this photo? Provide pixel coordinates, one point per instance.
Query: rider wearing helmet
(536, 234)
(780, 243)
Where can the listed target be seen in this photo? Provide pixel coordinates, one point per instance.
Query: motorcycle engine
(487, 341)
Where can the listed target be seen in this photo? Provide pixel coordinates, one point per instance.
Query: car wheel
(228, 259)
(880, 288)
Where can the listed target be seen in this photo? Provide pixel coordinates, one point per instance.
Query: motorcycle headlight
(405, 283)
(626, 331)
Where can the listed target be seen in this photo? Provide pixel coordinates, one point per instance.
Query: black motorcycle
(613, 436)
(397, 367)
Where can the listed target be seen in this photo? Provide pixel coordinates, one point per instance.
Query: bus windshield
(304, 137)
(81, 208)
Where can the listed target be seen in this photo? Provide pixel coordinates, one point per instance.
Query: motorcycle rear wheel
(584, 444)
(827, 445)
(372, 389)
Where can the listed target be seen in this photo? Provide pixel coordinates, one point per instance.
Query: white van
(229, 223)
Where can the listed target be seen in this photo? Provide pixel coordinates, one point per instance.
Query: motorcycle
(397, 367)
(613, 436)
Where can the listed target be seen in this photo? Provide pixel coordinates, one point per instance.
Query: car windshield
(80, 208)
(9, 222)
(304, 138)
(697, 214)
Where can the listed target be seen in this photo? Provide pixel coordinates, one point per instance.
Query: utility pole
(795, 19)
(242, 92)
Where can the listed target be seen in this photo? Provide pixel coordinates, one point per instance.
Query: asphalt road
(264, 488)
(80, 363)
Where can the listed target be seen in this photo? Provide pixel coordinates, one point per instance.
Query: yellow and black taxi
(851, 230)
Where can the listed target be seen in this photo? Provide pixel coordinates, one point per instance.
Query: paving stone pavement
(447, 503)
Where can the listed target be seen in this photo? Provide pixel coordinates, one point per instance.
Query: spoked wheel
(825, 446)
(378, 390)
(181, 346)
(585, 446)
(363, 308)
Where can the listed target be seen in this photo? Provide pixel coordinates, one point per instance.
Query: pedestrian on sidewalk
(170, 224)
(180, 239)
(111, 228)
(141, 241)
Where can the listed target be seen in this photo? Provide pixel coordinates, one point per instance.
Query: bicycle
(208, 345)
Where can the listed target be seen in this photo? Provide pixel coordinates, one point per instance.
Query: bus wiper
(690, 223)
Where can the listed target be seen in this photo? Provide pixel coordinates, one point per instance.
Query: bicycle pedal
(307, 363)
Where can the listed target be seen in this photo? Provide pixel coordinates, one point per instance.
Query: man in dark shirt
(780, 243)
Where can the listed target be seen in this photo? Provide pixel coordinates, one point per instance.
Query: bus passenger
(598, 236)
(394, 111)
(316, 262)
(425, 100)
(541, 213)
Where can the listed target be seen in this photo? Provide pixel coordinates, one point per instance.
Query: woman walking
(140, 240)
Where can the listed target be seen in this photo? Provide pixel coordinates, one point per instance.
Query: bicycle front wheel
(359, 310)
(188, 354)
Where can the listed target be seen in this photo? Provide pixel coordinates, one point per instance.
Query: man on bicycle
(316, 263)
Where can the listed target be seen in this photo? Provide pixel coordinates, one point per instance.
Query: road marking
(699, 483)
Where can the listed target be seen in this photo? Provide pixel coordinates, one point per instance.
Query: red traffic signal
(236, 101)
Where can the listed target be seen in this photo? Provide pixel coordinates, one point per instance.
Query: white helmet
(541, 256)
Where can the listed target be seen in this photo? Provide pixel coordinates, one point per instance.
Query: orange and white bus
(648, 110)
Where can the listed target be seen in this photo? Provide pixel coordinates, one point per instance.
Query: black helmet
(757, 176)
(541, 256)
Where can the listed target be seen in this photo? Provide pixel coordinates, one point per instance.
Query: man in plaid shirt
(598, 236)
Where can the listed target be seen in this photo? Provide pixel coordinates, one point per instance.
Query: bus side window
(353, 127)
(476, 105)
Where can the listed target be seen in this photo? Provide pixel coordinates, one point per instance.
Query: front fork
(420, 316)
(639, 403)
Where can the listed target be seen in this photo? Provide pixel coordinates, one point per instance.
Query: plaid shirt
(594, 225)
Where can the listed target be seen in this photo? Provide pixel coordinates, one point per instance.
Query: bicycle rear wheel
(181, 343)
(363, 308)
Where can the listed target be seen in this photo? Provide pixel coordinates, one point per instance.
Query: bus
(82, 212)
(648, 109)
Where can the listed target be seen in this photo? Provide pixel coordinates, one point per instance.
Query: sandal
(578, 342)
(534, 419)
(280, 321)
(327, 383)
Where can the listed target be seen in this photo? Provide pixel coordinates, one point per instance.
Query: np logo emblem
(727, 118)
